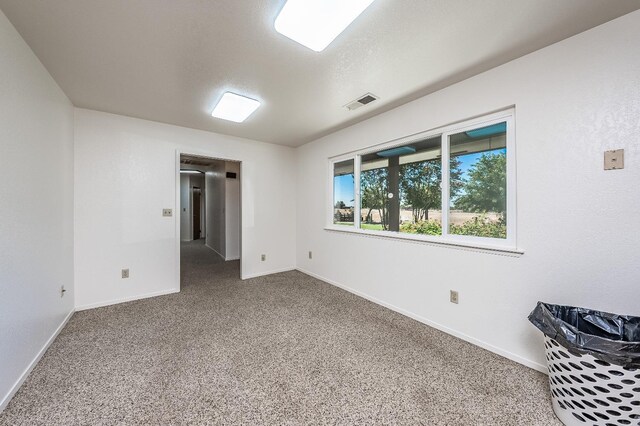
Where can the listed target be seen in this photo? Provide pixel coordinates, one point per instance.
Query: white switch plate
(614, 159)
(167, 212)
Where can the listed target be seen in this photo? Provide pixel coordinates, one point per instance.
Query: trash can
(593, 359)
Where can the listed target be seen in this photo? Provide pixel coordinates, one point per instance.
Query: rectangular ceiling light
(234, 107)
(190, 172)
(316, 23)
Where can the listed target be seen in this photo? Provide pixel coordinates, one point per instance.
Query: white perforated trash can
(589, 391)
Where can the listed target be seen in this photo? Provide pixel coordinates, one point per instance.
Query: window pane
(478, 182)
(374, 205)
(420, 192)
(343, 192)
(400, 188)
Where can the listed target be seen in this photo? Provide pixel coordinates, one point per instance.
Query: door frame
(212, 156)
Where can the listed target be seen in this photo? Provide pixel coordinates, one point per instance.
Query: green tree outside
(373, 195)
(486, 187)
(420, 185)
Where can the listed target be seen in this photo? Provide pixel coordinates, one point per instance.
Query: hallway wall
(215, 207)
(232, 212)
(185, 208)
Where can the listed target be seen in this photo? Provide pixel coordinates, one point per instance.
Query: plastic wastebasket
(593, 359)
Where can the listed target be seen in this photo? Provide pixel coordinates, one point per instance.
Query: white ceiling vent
(361, 101)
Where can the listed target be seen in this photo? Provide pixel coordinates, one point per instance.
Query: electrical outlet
(310, 255)
(62, 291)
(263, 257)
(453, 296)
(167, 212)
(125, 273)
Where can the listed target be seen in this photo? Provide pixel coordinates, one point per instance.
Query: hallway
(199, 265)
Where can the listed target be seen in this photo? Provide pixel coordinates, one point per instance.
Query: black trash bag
(608, 337)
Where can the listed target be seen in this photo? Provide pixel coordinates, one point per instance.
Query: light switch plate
(614, 159)
(167, 212)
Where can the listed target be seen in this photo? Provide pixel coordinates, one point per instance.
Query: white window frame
(508, 245)
(356, 195)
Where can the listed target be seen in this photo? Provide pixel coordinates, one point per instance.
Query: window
(400, 186)
(478, 182)
(343, 193)
(453, 185)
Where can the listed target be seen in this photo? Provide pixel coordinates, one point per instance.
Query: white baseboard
(261, 274)
(126, 299)
(5, 400)
(216, 251)
(513, 357)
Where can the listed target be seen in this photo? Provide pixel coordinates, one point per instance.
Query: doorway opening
(209, 221)
(197, 226)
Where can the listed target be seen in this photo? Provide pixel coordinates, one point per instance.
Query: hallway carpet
(285, 349)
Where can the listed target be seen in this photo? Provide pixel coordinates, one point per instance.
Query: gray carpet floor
(285, 349)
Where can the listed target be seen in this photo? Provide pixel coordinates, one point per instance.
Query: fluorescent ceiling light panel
(316, 23)
(234, 107)
(190, 172)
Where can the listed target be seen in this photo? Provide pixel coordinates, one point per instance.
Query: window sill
(436, 241)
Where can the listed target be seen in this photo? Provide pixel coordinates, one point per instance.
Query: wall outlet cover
(167, 212)
(614, 159)
(125, 273)
(453, 296)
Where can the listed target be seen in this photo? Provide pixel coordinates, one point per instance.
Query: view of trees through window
(401, 187)
(478, 203)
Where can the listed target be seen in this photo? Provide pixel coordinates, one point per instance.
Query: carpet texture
(284, 349)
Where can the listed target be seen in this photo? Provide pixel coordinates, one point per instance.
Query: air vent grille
(365, 100)
(361, 101)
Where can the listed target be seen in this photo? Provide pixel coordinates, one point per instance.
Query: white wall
(36, 214)
(223, 209)
(125, 176)
(578, 225)
(232, 212)
(185, 208)
(215, 207)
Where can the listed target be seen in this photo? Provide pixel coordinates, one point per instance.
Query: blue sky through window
(468, 160)
(343, 189)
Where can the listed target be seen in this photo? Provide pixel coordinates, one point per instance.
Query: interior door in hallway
(196, 213)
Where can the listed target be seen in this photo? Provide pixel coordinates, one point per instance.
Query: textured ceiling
(170, 61)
